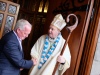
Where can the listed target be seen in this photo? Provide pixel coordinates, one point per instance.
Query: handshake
(35, 61)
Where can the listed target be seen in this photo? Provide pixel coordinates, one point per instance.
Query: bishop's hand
(61, 59)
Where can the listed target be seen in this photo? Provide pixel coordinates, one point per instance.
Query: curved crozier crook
(71, 28)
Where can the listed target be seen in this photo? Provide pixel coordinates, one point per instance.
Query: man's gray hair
(21, 23)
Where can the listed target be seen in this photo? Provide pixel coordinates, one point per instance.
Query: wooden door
(8, 16)
(91, 40)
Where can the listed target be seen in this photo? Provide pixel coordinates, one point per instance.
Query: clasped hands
(60, 59)
(35, 61)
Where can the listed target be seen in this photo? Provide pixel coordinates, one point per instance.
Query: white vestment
(48, 67)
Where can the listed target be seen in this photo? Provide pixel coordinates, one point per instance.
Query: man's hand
(21, 69)
(34, 61)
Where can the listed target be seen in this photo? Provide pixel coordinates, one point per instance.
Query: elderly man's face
(53, 31)
(22, 34)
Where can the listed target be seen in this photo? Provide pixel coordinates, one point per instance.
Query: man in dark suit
(11, 52)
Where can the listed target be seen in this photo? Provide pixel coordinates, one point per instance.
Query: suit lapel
(20, 46)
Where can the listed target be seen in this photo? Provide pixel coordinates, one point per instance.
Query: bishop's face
(53, 31)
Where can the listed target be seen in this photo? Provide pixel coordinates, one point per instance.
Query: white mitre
(58, 22)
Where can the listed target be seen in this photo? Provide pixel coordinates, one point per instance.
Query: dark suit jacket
(11, 55)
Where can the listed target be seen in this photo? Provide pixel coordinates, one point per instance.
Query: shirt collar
(17, 36)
